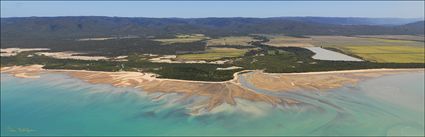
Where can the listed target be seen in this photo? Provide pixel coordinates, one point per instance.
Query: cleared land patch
(214, 54)
(396, 54)
(70, 55)
(231, 41)
(182, 39)
(288, 41)
(341, 41)
(396, 37)
(375, 49)
(14, 51)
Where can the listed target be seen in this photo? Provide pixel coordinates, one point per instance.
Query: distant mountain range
(356, 21)
(94, 26)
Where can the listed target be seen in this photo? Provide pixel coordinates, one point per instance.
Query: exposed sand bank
(71, 55)
(14, 51)
(32, 71)
(217, 93)
(316, 80)
(7, 52)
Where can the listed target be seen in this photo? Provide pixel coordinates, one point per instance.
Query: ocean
(57, 104)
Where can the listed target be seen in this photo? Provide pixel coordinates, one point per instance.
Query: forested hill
(356, 21)
(415, 27)
(92, 26)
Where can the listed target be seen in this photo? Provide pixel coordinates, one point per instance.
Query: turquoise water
(59, 105)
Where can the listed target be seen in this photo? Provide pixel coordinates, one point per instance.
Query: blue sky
(195, 9)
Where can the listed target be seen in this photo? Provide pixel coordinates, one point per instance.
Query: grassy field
(182, 39)
(214, 54)
(341, 41)
(396, 37)
(396, 54)
(375, 49)
(233, 41)
(288, 41)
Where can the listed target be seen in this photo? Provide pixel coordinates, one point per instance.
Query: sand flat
(283, 82)
(14, 51)
(71, 55)
(217, 93)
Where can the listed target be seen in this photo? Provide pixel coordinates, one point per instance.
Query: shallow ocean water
(57, 104)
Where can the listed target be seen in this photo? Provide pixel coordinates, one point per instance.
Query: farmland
(231, 41)
(214, 54)
(341, 41)
(375, 49)
(396, 37)
(288, 41)
(397, 54)
(181, 38)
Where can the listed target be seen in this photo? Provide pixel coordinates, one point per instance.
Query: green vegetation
(214, 54)
(299, 60)
(342, 41)
(112, 47)
(288, 41)
(230, 41)
(375, 49)
(397, 54)
(182, 39)
(263, 57)
(92, 27)
(176, 36)
(396, 37)
(202, 72)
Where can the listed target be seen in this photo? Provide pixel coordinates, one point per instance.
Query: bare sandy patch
(14, 51)
(287, 41)
(32, 71)
(316, 80)
(230, 68)
(70, 55)
(106, 38)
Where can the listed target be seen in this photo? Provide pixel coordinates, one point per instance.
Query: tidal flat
(60, 104)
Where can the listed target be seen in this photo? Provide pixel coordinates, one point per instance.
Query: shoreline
(349, 71)
(217, 93)
(235, 75)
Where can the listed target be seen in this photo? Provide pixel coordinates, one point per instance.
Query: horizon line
(218, 17)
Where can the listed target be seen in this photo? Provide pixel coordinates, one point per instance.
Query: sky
(197, 9)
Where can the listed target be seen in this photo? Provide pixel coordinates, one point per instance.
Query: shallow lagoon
(324, 54)
(59, 105)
